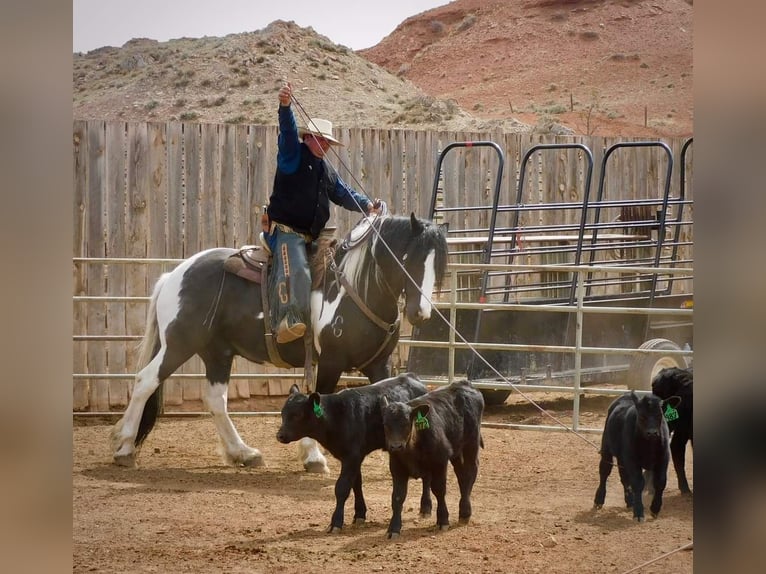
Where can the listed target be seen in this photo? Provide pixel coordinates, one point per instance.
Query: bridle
(390, 329)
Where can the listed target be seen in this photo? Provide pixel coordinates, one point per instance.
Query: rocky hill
(235, 79)
(601, 67)
(606, 67)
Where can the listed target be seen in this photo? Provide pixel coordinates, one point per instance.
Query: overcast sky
(356, 24)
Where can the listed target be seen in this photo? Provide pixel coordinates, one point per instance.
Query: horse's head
(425, 260)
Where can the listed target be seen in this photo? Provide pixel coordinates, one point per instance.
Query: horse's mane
(358, 262)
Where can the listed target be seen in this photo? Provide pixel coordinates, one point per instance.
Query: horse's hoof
(443, 527)
(393, 535)
(358, 521)
(316, 466)
(126, 460)
(655, 514)
(465, 520)
(334, 529)
(253, 461)
(639, 518)
(425, 514)
(598, 506)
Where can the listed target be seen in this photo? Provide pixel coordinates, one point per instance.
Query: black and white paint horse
(198, 308)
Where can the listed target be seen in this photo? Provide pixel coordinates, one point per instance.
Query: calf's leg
(627, 487)
(400, 477)
(636, 481)
(660, 477)
(360, 508)
(678, 450)
(425, 498)
(604, 470)
(350, 471)
(439, 488)
(466, 471)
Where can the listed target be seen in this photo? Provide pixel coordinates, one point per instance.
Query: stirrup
(288, 333)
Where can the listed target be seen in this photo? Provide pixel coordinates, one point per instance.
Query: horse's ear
(294, 390)
(417, 226)
(443, 228)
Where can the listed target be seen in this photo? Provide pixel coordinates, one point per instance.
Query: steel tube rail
(451, 345)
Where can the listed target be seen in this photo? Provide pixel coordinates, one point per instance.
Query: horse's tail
(147, 350)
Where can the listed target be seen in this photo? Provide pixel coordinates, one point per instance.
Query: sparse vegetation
(188, 116)
(235, 78)
(436, 27)
(468, 21)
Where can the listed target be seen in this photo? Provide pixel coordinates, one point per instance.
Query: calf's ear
(315, 404)
(423, 410)
(673, 401)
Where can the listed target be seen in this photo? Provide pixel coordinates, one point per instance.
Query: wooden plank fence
(169, 190)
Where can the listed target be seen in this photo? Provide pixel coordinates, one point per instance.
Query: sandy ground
(182, 510)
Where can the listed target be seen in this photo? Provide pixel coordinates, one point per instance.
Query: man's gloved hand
(377, 206)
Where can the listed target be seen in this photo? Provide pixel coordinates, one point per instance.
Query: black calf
(350, 426)
(678, 382)
(637, 435)
(423, 435)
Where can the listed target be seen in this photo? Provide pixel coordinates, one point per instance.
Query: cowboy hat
(321, 128)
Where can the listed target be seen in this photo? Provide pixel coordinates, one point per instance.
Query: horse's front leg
(309, 454)
(236, 452)
(378, 370)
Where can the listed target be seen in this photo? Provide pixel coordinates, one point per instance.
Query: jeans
(289, 278)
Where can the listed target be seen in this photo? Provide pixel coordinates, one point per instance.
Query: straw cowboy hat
(321, 128)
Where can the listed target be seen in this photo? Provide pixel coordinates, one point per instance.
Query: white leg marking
(427, 287)
(235, 450)
(125, 431)
(310, 456)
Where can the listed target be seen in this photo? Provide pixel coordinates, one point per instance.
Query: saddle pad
(247, 263)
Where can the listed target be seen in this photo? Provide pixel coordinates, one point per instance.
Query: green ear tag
(670, 413)
(421, 422)
(318, 410)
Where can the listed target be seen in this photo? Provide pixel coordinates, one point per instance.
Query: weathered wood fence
(168, 190)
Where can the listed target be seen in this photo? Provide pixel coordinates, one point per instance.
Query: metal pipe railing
(452, 344)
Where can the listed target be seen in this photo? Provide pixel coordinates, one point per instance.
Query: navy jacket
(304, 184)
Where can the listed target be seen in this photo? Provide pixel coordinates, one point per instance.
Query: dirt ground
(182, 510)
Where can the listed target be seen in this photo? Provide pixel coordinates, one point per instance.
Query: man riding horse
(298, 210)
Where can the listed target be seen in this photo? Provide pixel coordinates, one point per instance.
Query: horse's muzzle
(417, 317)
